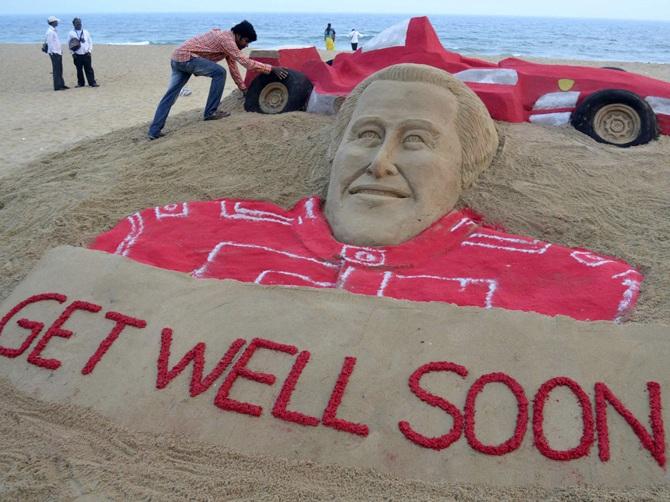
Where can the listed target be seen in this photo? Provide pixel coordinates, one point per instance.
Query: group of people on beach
(197, 56)
(80, 46)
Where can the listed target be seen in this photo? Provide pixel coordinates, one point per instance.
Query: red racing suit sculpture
(455, 260)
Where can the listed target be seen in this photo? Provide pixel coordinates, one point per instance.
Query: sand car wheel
(616, 117)
(273, 98)
(268, 94)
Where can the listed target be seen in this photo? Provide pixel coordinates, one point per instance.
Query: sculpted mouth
(380, 191)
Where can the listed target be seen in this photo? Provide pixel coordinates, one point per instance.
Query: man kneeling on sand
(406, 143)
(199, 56)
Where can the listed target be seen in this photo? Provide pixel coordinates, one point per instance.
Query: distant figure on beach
(81, 46)
(199, 56)
(55, 53)
(406, 143)
(329, 37)
(354, 35)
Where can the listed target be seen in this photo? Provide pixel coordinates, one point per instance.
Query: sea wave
(558, 38)
(143, 42)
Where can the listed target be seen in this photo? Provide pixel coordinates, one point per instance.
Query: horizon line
(664, 20)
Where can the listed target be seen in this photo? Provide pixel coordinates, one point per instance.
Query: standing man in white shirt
(353, 35)
(55, 53)
(81, 46)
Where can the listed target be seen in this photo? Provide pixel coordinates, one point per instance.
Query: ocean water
(586, 39)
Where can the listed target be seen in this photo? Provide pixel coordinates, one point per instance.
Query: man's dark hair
(245, 30)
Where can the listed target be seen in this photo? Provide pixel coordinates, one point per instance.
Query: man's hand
(280, 71)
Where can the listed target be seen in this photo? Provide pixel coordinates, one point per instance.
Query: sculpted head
(407, 141)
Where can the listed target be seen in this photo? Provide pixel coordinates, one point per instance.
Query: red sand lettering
(444, 441)
(34, 326)
(653, 442)
(329, 418)
(655, 445)
(521, 419)
(197, 355)
(56, 329)
(240, 370)
(541, 443)
(279, 409)
(121, 322)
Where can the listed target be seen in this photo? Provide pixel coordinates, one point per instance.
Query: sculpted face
(398, 167)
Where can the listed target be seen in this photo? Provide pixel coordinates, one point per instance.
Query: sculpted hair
(245, 29)
(476, 130)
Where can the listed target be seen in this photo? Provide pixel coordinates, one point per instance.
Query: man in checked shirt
(199, 56)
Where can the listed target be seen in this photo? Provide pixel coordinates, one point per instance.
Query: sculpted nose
(382, 165)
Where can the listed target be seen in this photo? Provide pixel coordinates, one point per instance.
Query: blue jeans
(181, 72)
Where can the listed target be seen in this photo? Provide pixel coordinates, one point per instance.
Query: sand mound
(70, 197)
(554, 184)
(551, 183)
(559, 185)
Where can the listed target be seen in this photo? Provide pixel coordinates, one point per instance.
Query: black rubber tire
(583, 117)
(298, 85)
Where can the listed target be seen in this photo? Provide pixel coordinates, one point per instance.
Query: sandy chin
(73, 163)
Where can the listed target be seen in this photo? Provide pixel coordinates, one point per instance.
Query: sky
(614, 9)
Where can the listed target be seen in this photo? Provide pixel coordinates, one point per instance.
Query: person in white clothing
(55, 53)
(354, 34)
(81, 46)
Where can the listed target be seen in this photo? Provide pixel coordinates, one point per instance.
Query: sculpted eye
(369, 135)
(413, 138)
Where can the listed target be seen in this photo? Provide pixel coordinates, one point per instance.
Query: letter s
(444, 441)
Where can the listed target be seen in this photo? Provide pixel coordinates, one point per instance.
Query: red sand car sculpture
(610, 105)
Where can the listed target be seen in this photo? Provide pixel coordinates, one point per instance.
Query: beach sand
(73, 163)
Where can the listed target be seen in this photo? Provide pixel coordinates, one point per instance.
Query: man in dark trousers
(81, 46)
(55, 53)
(199, 56)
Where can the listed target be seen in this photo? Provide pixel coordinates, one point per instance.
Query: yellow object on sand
(330, 45)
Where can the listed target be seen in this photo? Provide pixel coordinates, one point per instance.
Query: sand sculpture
(494, 398)
(472, 396)
(407, 142)
(405, 145)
